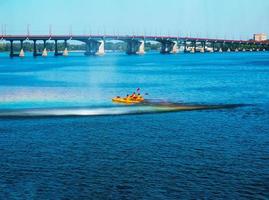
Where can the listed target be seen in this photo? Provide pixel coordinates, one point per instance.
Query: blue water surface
(210, 154)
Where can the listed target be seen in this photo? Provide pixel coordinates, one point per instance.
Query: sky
(234, 19)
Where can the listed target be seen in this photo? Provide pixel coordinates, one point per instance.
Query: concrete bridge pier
(135, 47)
(44, 53)
(165, 47)
(131, 47)
(168, 46)
(185, 46)
(90, 48)
(21, 54)
(65, 53)
(12, 53)
(210, 48)
(141, 48)
(56, 48)
(101, 48)
(175, 48)
(194, 47)
(213, 46)
(95, 47)
(239, 47)
(35, 52)
(56, 51)
(202, 50)
(216, 47)
(235, 47)
(221, 49)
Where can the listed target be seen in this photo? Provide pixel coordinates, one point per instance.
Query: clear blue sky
(212, 18)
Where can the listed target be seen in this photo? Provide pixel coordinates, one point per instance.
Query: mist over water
(218, 153)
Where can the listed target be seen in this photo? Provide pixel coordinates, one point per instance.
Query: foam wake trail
(113, 110)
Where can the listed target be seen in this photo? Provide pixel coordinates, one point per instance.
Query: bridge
(95, 44)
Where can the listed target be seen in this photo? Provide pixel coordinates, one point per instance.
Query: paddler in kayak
(139, 96)
(136, 96)
(133, 96)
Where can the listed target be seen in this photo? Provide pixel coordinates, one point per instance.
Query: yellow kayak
(127, 100)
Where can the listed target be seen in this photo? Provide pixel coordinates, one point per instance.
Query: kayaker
(133, 96)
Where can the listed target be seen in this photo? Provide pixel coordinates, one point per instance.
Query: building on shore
(260, 37)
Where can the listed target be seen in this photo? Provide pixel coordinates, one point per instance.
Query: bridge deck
(124, 37)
